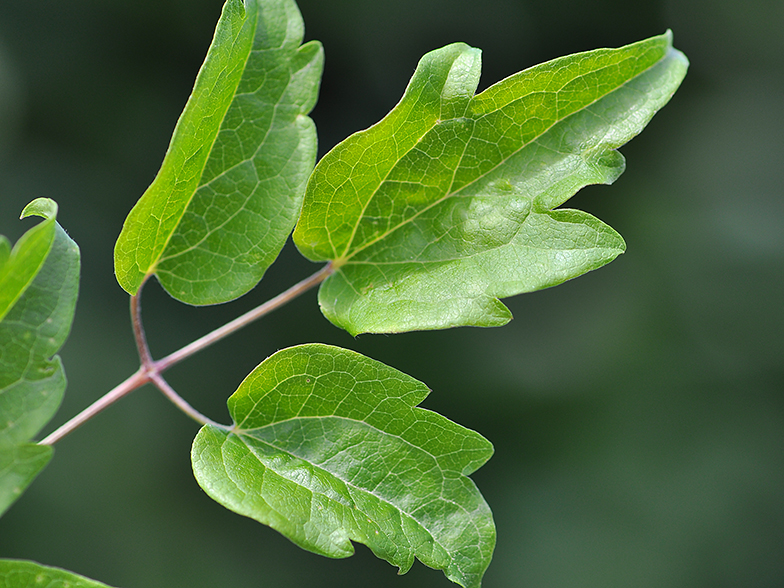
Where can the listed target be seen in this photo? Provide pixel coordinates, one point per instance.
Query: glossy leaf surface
(447, 204)
(33, 329)
(328, 447)
(230, 187)
(28, 574)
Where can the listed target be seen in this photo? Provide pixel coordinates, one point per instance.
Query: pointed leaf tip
(20, 265)
(43, 207)
(230, 187)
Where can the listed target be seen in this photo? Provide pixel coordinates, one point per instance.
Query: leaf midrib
(347, 258)
(470, 255)
(153, 267)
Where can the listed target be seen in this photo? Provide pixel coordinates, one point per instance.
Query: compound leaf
(328, 447)
(230, 187)
(42, 276)
(446, 205)
(28, 574)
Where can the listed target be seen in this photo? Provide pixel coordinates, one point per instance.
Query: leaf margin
(31, 571)
(338, 302)
(32, 399)
(224, 486)
(194, 263)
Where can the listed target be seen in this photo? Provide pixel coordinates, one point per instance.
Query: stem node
(150, 371)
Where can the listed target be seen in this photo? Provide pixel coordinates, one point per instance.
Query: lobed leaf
(28, 574)
(328, 447)
(230, 187)
(446, 205)
(43, 274)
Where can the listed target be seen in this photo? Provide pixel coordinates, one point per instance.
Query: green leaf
(43, 290)
(446, 205)
(230, 187)
(28, 574)
(329, 447)
(19, 266)
(19, 465)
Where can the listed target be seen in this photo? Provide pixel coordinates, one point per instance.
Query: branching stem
(245, 319)
(150, 371)
(137, 380)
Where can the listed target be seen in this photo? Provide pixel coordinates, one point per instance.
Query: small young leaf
(328, 447)
(230, 187)
(19, 266)
(43, 270)
(446, 205)
(27, 574)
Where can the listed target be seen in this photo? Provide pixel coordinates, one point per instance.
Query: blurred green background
(637, 412)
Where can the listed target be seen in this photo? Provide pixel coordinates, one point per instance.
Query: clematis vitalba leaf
(450, 202)
(230, 187)
(328, 447)
(40, 279)
(28, 574)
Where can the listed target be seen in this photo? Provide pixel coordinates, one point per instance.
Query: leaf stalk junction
(150, 371)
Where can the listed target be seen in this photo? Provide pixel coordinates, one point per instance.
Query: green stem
(180, 403)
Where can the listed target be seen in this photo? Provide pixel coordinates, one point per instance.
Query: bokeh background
(637, 412)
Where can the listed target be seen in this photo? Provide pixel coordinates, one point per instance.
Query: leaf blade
(211, 238)
(20, 265)
(19, 466)
(32, 379)
(321, 426)
(480, 183)
(150, 224)
(24, 574)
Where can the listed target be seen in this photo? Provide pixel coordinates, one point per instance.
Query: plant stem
(145, 357)
(150, 370)
(245, 319)
(137, 380)
(178, 401)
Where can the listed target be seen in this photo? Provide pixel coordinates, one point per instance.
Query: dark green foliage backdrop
(637, 413)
